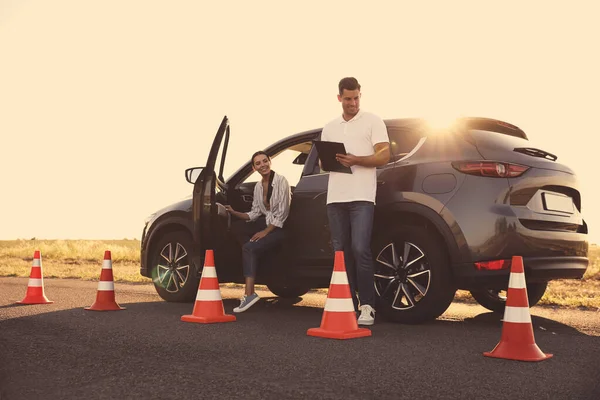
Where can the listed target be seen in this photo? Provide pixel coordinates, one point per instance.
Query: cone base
(208, 320)
(518, 352)
(35, 300)
(104, 307)
(353, 334)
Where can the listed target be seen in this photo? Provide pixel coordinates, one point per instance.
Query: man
(261, 228)
(351, 197)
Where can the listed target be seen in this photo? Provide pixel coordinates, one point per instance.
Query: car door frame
(204, 212)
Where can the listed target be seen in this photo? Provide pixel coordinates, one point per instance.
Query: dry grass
(584, 293)
(72, 250)
(82, 259)
(76, 259)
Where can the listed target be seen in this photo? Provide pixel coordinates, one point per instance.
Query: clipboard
(327, 151)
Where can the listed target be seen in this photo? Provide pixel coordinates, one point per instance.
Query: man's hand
(229, 209)
(259, 235)
(378, 159)
(347, 160)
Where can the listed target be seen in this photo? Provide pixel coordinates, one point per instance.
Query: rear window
(497, 140)
(492, 125)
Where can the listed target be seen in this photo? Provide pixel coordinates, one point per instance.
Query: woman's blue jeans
(253, 251)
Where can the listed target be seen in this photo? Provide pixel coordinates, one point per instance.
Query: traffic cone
(208, 308)
(35, 287)
(339, 316)
(105, 296)
(517, 341)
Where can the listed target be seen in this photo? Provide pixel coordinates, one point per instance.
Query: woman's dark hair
(259, 153)
(271, 176)
(349, 83)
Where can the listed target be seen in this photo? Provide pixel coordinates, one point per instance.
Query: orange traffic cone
(339, 316)
(35, 288)
(105, 297)
(208, 308)
(517, 341)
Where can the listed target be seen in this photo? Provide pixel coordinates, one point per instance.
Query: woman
(263, 227)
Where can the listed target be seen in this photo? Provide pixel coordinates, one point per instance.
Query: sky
(103, 105)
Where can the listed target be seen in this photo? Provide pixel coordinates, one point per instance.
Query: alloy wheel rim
(173, 267)
(402, 275)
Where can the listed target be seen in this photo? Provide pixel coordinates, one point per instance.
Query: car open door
(204, 209)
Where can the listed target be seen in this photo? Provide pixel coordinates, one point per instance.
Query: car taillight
(492, 169)
(494, 265)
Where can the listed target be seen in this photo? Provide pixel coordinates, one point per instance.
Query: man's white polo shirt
(359, 135)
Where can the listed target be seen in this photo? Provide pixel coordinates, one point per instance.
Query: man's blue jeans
(351, 225)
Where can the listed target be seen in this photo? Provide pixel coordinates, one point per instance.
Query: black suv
(453, 206)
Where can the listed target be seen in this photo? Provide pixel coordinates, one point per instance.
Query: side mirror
(192, 174)
(301, 159)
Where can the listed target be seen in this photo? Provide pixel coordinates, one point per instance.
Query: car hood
(184, 204)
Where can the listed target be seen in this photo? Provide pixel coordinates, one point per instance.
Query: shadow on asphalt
(538, 323)
(266, 306)
(280, 310)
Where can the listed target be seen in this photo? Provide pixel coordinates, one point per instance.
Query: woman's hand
(259, 235)
(229, 209)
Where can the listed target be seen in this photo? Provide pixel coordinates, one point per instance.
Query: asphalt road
(60, 351)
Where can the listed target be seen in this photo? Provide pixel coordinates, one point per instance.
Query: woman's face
(262, 164)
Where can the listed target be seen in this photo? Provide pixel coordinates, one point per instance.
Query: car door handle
(247, 198)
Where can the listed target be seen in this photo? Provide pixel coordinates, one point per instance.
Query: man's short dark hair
(349, 83)
(259, 153)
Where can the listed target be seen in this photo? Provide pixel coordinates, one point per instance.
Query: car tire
(494, 301)
(287, 291)
(418, 280)
(173, 273)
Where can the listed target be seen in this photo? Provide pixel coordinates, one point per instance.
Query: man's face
(261, 164)
(350, 100)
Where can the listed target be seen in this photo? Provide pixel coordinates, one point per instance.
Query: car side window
(289, 163)
(402, 141)
(253, 177)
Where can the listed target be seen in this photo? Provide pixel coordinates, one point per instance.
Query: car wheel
(287, 291)
(412, 275)
(495, 300)
(173, 273)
